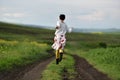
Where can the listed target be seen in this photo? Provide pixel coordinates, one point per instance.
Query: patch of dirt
(31, 72)
(35, 73)
(28, 72)
(65, 74)
(85, 71)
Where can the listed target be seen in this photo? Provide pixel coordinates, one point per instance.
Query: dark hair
(62, 17)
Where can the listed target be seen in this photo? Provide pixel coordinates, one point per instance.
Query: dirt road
(35, 73)
(31, 72)
(86, 71)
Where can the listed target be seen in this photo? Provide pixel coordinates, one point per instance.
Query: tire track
(85, 71)
(35, 73)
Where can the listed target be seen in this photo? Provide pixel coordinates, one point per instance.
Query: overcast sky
(79, 13)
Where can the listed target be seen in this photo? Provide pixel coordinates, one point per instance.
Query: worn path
(31, 72)
(85, 71)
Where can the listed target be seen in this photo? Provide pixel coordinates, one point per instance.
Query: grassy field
(20, 44)
(101, 50)
(14, 53)
(106, 60)
(21, 33)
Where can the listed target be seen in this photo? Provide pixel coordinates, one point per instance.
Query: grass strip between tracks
(65, 69)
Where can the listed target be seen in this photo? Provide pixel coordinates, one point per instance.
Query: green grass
(89, 46)
(20, 33)
(55, 72)
(22, 45)
(106, 60)
(14, 53)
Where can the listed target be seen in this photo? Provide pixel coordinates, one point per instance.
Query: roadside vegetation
(106, 60)
(21, 46)
(14, 53)
(100, 50)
